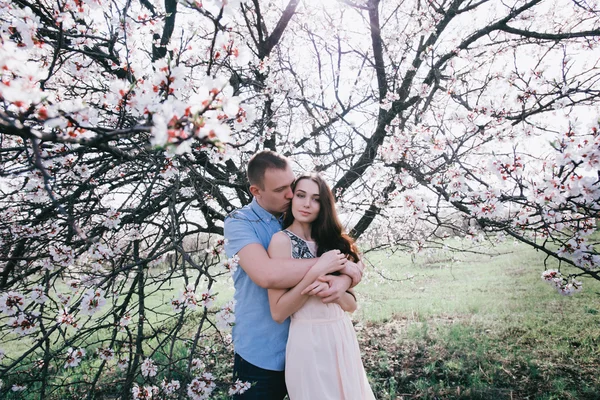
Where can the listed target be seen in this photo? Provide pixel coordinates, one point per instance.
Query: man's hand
(337, 287)
(354, 271)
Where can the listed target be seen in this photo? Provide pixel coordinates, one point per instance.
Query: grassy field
(460, 326)
(474, 326)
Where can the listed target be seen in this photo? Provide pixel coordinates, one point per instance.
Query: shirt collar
(264, 214)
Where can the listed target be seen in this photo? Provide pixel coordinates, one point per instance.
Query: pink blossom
(66, 318)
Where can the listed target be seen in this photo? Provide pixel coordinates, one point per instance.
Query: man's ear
(255, 190)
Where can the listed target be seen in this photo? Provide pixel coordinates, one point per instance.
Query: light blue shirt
(256, 337)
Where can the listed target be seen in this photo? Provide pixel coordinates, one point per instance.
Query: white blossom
(149, 368)
(239, 387)
(201, 387)
(106, 354)
(12, 302)
(91, 301)
(74, 357)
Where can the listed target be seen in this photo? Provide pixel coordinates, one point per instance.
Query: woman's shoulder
(280, 245)
(280, 238)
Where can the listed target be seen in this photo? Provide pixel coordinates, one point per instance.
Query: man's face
(276, 193)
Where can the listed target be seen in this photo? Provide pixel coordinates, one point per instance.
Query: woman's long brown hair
(326, 230)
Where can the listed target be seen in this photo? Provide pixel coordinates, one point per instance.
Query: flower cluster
(91, 301)
(231, 264)
(74, 357)
(144, 392)
(149, 369)
(188, 298)
(226, 316)
(170, 388)
(563, 285)
(207, 298)
(12, 302)
(66, 318)
(123, 362)
(238, 387)
(106, 354)
(201, 387)
(24, 323)
(38, 294)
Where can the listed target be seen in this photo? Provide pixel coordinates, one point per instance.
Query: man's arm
(282, 273)
(241, 239)
(354, 271)
(271, 273)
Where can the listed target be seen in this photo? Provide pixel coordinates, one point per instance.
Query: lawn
(464, 325)
(475, 326)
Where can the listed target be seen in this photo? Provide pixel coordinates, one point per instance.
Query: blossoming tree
(125, 129)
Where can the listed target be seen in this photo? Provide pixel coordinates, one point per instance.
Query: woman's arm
(284, 302)
(348, 301)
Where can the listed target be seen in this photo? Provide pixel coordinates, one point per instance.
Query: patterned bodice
(300, 247)
(314, 310)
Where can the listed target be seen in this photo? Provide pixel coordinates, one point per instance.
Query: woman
(322, 354)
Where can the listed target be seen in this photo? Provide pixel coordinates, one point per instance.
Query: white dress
(322, 355)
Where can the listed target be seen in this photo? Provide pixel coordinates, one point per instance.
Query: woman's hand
(315, 288)
(329, 262)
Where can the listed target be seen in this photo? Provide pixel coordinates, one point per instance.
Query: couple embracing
(306, 272)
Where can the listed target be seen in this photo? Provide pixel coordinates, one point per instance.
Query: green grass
(477, 327)
(454, 326)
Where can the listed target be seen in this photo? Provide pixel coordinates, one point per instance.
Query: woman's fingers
(315, 288)
(309, 288)
(318, 289)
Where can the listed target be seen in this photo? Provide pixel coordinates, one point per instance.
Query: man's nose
(289, 195)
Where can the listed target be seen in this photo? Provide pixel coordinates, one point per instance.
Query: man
(260, 342)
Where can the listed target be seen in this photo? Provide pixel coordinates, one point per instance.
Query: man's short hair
(262, 161)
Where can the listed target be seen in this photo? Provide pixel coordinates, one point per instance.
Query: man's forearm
(354, 271)
(285, 273)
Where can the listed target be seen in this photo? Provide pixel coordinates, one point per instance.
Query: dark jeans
(266, 385)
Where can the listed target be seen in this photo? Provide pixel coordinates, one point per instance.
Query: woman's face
(305, 203)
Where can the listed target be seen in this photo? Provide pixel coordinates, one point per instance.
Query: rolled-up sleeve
(239, 233)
